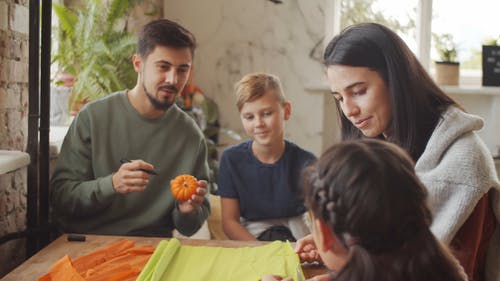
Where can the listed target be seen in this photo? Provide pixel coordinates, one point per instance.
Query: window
(400, 16)
(469, 28)
(417, 20)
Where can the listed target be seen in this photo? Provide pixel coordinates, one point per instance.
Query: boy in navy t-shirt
(259, 179)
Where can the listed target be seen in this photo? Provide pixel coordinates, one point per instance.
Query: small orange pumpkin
(183, 186)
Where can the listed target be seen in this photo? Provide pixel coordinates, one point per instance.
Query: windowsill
(483, 101)
(472, 90)
(11, 160)
(453, 90)
(57, 134)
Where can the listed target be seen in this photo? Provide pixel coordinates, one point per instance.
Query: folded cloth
(121, 261)
(124, 261)
(173, 261)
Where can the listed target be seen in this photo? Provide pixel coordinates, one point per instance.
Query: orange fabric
(62, 270)
(121, 261)
(471, 241)
(102, 255)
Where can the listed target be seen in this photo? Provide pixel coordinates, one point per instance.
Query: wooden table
(40, 263)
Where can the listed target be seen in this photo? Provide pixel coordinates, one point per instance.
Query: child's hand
(306, 249)
(275, 278)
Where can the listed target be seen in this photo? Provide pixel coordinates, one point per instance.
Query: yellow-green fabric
(173, 261)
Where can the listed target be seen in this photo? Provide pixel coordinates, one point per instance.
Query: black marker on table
(76, 238)
(151, 172)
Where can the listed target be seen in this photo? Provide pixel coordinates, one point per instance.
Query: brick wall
(13, 75)
(12, 218)
(14, 27)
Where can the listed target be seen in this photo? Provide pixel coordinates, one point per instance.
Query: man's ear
(137, 62)
(287, 106)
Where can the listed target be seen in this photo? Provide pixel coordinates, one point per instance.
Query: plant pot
(491, 65)
(447, 73)
(64, 79)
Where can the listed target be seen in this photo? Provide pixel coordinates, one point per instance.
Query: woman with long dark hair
(382, 91)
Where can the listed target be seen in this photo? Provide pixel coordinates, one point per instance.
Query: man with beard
(121, 151)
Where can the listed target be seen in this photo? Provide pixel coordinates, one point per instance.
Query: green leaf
(67, 18)
(91, 46)
(445, 46)
(117, 9)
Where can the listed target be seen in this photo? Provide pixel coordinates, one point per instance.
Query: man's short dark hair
(166, 33)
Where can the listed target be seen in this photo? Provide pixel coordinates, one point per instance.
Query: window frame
(423, 23)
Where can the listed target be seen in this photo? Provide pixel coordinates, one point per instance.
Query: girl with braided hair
(369, 217)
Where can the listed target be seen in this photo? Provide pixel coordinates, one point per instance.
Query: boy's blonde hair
(254, 85)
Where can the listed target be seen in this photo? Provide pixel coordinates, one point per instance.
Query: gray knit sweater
(82, 196)
(458, 169)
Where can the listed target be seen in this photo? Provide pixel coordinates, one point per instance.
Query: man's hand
(306, 249)
(196, 199)
(129, 178)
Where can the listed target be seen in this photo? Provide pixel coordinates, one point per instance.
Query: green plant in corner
(491, 41)
(448, 68)
(93, 45)
(446, 47)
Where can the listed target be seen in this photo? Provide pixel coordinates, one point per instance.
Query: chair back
(470, 244)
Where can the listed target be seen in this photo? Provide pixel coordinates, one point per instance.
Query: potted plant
(491, 62)
(448, 67)
(94, 47)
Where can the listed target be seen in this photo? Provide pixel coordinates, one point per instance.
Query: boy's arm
(230, 209)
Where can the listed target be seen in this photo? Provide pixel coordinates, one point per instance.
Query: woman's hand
(306, 249)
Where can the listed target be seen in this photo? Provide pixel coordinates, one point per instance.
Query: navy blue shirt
(264, 191)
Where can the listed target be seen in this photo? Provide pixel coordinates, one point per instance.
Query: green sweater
(82, 196)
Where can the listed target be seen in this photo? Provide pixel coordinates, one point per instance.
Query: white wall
(237, 37)
(488, 107)
(240, 36)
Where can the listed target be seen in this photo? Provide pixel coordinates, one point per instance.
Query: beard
(158, 104)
